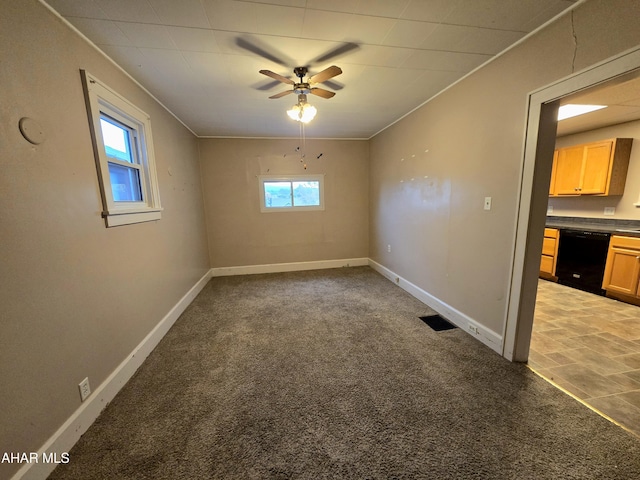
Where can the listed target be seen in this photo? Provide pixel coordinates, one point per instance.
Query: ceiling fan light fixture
(302, 111)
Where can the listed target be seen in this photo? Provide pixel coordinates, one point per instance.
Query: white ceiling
(620, 95)
(201, 58)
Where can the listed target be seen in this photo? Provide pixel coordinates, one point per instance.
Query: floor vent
(437, 323)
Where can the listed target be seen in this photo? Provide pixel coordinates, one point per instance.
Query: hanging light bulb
(307, 113)
(294, 112)
(302, 111)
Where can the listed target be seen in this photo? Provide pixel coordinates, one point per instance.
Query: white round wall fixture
(31, 130)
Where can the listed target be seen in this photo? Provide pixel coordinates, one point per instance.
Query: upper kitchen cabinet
(568, 169)
(552, 185)
(596, 168)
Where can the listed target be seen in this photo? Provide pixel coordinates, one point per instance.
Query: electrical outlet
(487, 203)
(609, 210)
(389, 248)
(85, 389)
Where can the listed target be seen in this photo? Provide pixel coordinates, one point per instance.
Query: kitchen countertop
(606, 225)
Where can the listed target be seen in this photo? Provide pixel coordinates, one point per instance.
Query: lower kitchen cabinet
(549, 254)
(622, 271)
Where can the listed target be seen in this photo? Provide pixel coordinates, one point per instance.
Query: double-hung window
(123, 149)
(291, 193)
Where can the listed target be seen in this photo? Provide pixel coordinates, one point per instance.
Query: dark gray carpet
(331, 374)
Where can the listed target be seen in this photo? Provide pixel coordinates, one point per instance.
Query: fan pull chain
(304, 147)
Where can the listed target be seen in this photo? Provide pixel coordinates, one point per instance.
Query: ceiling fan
(255, 46)
(304, 88)
(302, 111)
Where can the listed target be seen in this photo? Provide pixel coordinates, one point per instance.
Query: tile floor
(590, 346)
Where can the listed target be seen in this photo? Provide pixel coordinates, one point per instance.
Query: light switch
(487, 203)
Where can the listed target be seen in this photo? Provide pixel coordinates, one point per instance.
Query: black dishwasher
(581, 259)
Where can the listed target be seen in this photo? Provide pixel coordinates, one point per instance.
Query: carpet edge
(478, 331)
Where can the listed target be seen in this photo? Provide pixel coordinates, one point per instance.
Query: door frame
(535, 175)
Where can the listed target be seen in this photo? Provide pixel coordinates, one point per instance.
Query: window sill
(291, 209)
(118, 219)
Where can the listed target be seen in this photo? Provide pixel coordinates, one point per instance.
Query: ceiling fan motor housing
(300, 72)
(301, 88)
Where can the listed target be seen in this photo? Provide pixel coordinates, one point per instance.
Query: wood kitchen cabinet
(568, 170)
(596, 168)
(549, 253)
(622, 270)
(552, 185)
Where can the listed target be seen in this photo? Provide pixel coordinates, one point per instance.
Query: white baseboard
(71, 431)
(289, 267)
(466, 323)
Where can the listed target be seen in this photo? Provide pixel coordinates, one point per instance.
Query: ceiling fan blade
(321, 92)
(336, 52)
(326, 74)
(278, 77)
(333, 85)
(281, 94)
(253, 48)
(268, 86)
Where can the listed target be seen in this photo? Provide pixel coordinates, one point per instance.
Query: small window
(124, 156)
(124, 166)
(291, 193)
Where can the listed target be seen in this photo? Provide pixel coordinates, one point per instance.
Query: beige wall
(77, 297)
(431, 171)
(239, 234)
(593, 207)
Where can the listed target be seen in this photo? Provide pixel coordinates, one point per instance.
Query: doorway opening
(582, 341)
(534, 193)
(542, 130)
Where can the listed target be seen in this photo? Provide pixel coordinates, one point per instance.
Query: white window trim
(290, 178)
(102, 99)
